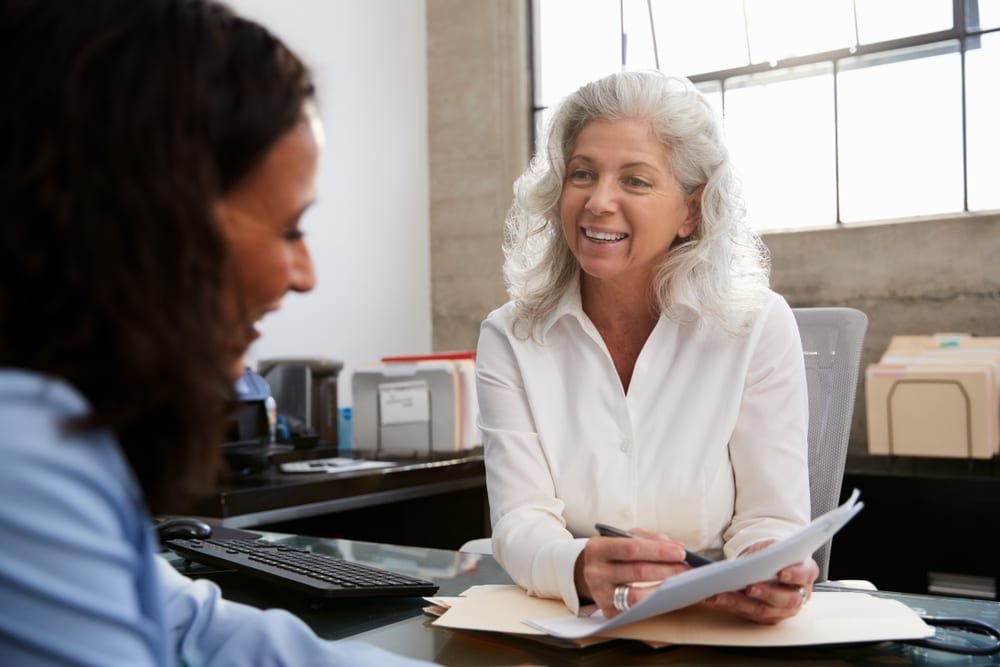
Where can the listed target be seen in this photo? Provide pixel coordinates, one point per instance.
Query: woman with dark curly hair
(156, 158)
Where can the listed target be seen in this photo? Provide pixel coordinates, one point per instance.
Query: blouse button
(626, 446)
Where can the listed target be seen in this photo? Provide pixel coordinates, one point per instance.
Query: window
(835, 111)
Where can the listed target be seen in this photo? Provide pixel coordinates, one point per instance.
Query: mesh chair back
(831, 340)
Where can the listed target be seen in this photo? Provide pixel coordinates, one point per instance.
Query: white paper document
(699, 583)
(333, 464)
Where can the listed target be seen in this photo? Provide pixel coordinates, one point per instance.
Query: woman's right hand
(608, 562)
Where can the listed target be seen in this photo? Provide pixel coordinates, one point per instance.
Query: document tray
(306, 572)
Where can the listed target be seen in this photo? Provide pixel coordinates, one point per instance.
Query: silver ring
(620, 598)
(802, 595)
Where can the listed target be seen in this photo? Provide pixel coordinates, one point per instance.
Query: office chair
(831, 343)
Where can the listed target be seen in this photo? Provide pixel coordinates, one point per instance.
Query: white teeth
(604, 236)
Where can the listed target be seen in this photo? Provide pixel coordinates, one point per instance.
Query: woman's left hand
(770, 602)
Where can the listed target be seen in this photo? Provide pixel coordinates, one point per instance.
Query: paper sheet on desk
(332, 464)
(827, 618)
(501, 608)
(702, 582)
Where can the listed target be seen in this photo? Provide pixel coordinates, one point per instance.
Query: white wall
(369, 231)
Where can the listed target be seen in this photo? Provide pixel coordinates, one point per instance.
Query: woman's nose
(303, 276)
(602, 198)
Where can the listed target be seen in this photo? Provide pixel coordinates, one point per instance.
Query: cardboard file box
(934, 409)
(415, 408)
(941, 343)
(935, 395)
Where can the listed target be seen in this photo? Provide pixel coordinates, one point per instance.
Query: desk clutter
(416, 406)
(287, 405)
(935, 396)
(305, 390)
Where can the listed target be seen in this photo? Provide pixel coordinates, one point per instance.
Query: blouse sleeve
(530, 538)
(769, 446)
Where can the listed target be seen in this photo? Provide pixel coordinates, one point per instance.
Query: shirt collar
(569, 305)
(58, 395)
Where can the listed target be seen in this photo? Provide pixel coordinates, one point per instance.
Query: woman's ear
(694, 213)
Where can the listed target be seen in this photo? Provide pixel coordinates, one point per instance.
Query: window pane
(987, 12)
(698, 37)
(983, 130)
(780, 134)
(639, 46)
(577, 41)
(901, 135)
(783, 28)
(882, 20)
(712, 90)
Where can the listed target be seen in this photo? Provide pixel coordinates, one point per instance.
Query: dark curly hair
(121, 123)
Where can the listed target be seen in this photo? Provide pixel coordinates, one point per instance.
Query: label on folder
(404, 402)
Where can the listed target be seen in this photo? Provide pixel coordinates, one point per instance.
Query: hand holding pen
(690, 557)
(620, 599)
(611, 572)
(763, 602)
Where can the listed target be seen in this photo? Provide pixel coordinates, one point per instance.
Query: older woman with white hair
(643, 374)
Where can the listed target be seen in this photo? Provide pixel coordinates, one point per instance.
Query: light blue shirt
(80, 579)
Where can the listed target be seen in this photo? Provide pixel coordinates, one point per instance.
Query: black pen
(690, 557)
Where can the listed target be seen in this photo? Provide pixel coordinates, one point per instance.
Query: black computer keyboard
(307, 572)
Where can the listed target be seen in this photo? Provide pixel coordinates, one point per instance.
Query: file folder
(935, 396)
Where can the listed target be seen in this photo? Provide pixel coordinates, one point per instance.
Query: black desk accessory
(307, 572)
(250, 445)
(182, 527)
(955, 644)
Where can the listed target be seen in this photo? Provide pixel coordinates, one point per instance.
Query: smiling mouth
(252, 329)
(604, 236)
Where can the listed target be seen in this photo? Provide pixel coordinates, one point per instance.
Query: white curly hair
(720, 271)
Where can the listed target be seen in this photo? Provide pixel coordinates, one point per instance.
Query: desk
(398, 624)
(936, 514)
(447, 493)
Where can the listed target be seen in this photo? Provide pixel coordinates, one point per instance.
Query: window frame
(894, 50)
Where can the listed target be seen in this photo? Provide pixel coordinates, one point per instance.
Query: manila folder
(826, 618)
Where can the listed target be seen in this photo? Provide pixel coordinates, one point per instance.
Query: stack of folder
(827, 618)
(416, 405)
(935, 396)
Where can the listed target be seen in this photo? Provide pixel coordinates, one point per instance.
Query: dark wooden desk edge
(918, 466)
(273, 496)
(348, 503)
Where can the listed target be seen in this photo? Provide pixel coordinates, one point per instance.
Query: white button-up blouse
(707, 446)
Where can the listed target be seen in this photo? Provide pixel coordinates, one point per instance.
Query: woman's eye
(294, 234)
(635, 182)
(580, 175)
